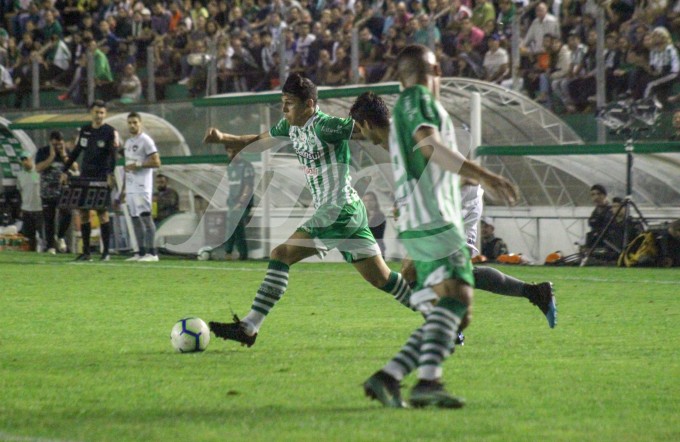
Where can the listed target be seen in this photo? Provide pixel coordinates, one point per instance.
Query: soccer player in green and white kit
(340, 221)
(372, 117)
(426, 166)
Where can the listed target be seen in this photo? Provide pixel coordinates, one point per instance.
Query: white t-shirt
(137, 150)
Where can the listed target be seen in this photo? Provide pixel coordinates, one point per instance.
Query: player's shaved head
(415, 63)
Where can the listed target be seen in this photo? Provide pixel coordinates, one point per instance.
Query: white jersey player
(141, 157)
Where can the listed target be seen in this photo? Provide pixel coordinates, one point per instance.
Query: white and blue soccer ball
(190, 335)
(204, 253)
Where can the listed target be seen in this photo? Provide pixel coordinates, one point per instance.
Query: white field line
(8, 437)
(301, 269)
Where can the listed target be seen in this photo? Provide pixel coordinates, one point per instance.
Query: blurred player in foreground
(427, 166)
(372, 117)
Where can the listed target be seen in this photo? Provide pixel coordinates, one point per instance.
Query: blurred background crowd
(248, 45)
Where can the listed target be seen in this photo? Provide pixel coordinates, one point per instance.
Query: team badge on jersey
(101, 144)
(83, 142)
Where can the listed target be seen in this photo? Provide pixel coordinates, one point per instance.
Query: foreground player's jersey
(428, 197)
(322, 147)
(138, 149)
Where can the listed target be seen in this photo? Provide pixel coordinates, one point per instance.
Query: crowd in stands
(471, 38)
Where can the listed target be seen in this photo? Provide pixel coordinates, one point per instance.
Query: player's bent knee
(283, 253)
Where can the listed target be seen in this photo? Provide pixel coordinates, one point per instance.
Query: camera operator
(669, 245)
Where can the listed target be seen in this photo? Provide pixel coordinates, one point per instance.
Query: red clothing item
(174, 21)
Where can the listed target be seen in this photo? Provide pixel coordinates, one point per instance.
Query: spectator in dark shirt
(600, 215)
(166, 198)
(492, 247)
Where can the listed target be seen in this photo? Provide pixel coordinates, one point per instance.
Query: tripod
(626, 204)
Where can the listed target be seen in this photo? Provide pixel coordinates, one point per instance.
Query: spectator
(506, 14)
(339, 71)
(676, 126)
(492, 247)
(576, 63)
(245, 68)
(302, 44)
(103, 75)
(600, 215)
(428, 33)
(51, 26)
(560, 57)
(613, 58)
(469, 33)
(496, 61)
(28, 184)
(664, 65)
(129, 86)
(166, 198)
(583, 85)
(50, 162)
(483, 12)
(160, 19)
(544, 23)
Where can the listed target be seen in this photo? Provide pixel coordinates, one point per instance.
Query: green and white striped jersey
(427, 196)
(322, 147)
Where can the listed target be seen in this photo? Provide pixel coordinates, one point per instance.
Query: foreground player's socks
(439, 331)
(397, 287)
(272, 288)
(407, 359)
(494, 281)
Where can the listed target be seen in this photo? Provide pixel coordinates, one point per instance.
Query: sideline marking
(8, 437)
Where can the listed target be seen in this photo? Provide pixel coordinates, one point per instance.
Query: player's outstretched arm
(428, 140)
(238, 142)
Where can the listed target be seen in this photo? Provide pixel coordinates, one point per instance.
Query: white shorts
(472, 203)
(138, 203)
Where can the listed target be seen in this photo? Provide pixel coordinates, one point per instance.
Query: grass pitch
(85, 356)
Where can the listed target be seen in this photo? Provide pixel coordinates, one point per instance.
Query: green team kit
(428, 202)
(340, 220)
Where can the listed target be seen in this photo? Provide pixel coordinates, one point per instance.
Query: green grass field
(85, 356)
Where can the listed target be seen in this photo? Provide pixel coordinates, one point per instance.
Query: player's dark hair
(300, 87)
(56, 135)
(600, 188)
(370, 107)
(617, 200)
(98, 103)
(134, 115)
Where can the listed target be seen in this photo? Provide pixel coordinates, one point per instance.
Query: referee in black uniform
(98, 143)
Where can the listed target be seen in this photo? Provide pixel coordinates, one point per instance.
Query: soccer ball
(203, 253)
(190, 335)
